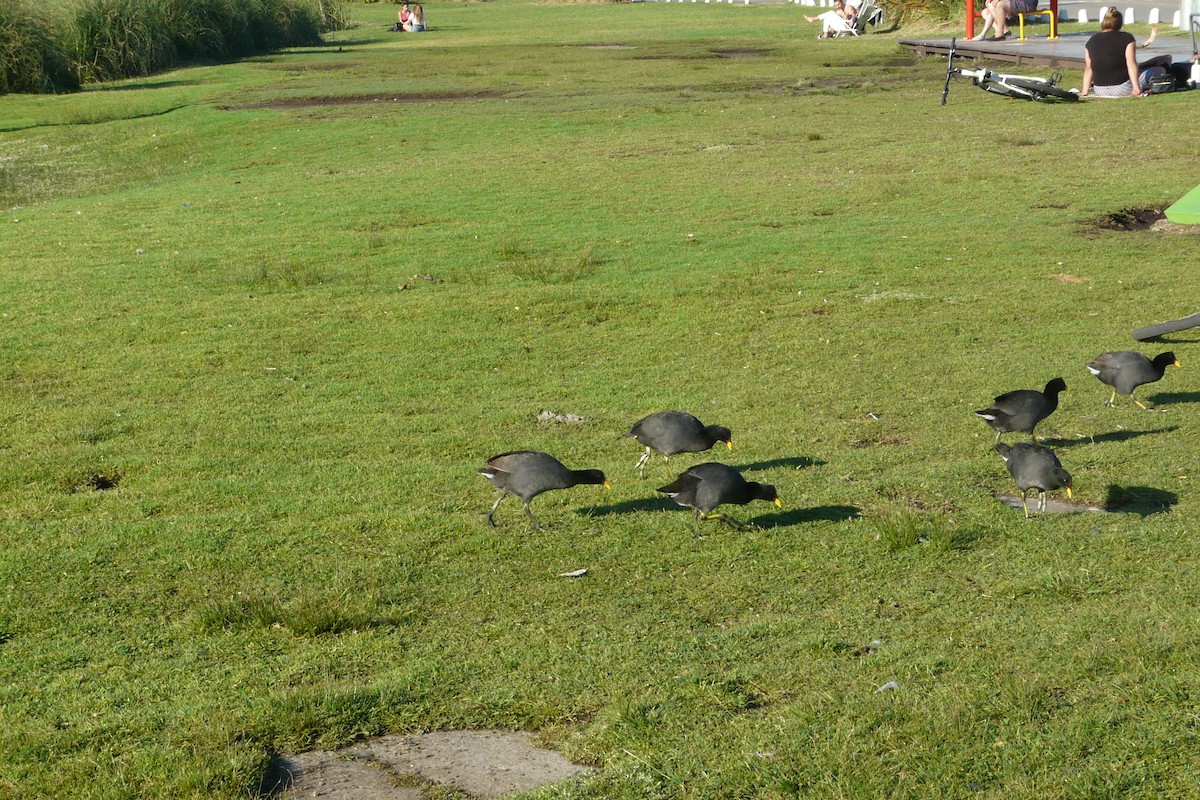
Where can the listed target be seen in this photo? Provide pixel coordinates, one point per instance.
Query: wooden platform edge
(940, 47)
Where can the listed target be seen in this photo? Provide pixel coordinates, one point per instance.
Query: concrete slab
(331, 776)
(480, 763)
(477, 763)
(1052, 506)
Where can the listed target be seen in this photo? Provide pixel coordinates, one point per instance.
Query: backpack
(1161, 84)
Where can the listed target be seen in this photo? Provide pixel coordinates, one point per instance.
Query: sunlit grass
(255, 351)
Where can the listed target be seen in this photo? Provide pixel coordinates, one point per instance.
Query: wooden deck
(1065, 52)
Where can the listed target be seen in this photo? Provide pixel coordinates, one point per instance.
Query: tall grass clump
(218, 29)
(899, 11)
(282, 23)
(126, 38)
(121, 39)
(31, 52)
(211, 29)
(332, 14)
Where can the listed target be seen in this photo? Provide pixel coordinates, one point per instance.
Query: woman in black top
(1109, 64)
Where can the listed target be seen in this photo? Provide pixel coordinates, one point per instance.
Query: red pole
(1053, 19)
(971, 17)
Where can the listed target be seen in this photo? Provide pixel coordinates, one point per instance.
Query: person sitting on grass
(837, 21)
(996, 13)
(416, 22)
(1110, 67)
(401, 18)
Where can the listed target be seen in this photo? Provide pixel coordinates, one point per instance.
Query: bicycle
(1023, 87)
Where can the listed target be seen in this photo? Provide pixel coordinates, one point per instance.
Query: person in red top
(416, 20)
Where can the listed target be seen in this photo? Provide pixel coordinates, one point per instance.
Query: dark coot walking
(1125, 370)
(528, 473)
(1023, 409)
(1035, 468)
(706, 486)
(671, 432)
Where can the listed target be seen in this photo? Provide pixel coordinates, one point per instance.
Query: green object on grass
(1186, 210)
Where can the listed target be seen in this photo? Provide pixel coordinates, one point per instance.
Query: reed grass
(91, 41)
(32, 52)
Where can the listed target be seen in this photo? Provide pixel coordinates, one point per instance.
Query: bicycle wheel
(1041, 89)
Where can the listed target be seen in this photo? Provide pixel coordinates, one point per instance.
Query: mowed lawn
(261, 322)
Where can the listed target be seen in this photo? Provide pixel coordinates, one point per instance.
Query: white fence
(1179, 17)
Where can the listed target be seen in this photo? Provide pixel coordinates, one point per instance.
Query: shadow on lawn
(1175, 398)
(796, 462)
(800, 516)
(1115, 436)
(782, 519)
(661, 503)
(1141, 500)
(1171, 338)
(142, 85)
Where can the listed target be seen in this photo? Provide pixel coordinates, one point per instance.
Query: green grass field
(239, 513)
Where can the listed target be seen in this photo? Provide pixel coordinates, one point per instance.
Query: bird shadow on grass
(1174, 398)
(801, 515)
(1115, 436)
(1170, 338)
(796, 462)
(1141, 500)
(632, 507)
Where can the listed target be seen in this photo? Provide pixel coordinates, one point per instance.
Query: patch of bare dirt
(1137, 219)
(103, 483)
(879, 440)
(95, 482)
(364, 99)
(318, 67)
(742, 52)
(561, 419)
(675, 56)
(478, 763)
(781, 88)
(1130, 219)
